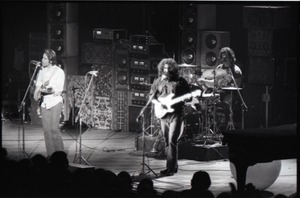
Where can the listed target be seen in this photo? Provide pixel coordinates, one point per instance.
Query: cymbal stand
(79, 116)
(215, 129)
(207, 130)
(244, 106)
(230, 125)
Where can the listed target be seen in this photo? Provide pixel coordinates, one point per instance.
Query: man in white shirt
(48, 89)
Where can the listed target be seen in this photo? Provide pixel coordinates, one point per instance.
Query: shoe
(163, 172)
(168, 172)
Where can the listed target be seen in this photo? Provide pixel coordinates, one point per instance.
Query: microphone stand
(141, 115)
(244, 106)
(22, 107)
(80, 158)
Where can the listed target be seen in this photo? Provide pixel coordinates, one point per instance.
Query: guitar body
(39, 93)
(164, 107)
(165, 103)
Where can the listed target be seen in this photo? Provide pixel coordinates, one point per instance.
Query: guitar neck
(180, 98)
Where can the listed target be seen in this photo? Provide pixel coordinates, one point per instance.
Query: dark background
(160, 19)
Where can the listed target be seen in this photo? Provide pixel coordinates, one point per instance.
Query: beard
(166, 75)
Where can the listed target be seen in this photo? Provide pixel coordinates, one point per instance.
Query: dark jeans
(172, 129)
(52, 135)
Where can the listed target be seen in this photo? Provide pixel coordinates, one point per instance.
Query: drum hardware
(209, 134)
(230, 125)
(215, 129)
(244, 106)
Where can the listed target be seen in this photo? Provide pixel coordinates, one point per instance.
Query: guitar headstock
(196, 93)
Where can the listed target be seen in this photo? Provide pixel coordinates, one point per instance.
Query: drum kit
(204, 115)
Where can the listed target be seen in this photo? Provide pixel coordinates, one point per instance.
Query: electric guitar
(164, 103)
(40, 93)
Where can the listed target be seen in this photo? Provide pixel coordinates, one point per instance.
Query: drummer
(223, 75)
(227, 62)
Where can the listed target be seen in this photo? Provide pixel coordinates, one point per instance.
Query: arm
(38, 84)
(56, 83)
(153, 92)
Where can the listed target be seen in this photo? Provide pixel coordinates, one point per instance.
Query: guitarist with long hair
(169, 92)
(48, 89)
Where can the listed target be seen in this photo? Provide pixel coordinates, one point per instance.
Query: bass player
(48, 89)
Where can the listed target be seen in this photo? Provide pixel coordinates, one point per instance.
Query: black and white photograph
(149, 99)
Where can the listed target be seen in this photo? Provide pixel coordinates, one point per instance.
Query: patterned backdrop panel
(102, 112)
(96, 109)
(104, 81)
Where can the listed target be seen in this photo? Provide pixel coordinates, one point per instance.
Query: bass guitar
(163, 106)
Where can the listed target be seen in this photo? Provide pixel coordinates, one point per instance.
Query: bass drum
(192, 126)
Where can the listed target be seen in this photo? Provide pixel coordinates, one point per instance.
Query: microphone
(37, 63)
(94, 73)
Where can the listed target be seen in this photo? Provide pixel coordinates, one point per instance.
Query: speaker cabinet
(62, 29)
(62, 12)
(211, 43)
(193, 18)
(190, 50)
(201, 17)
(121, 69)
(63, 38)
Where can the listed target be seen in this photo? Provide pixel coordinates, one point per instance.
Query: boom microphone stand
(80, 158)
(22, 107)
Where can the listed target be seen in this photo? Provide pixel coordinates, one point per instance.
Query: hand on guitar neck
(163, 104)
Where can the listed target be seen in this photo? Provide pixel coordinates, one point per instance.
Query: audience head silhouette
(201, 180)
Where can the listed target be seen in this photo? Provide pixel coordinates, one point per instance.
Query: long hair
(51, 56)
(229, 52)
(173, 67)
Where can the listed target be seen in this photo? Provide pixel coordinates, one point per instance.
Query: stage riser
(202, 153)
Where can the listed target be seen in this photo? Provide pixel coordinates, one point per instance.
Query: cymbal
(231, 88)
(211, 73)
(208, 83)
(186, 65)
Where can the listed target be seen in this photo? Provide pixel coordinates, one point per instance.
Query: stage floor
(117, 151)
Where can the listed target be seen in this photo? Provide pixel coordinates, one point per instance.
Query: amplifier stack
(133, 64)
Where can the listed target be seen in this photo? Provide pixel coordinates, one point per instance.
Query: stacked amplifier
(145, 54)
(127, 70)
